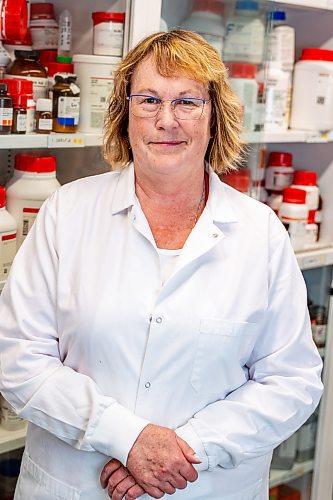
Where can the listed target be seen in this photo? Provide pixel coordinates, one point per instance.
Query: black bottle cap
(3, 88)
(28, 54)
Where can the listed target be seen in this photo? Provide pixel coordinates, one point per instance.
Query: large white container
(312, 100)
(7, 237)
(206, 19)
(245, 33)
(95, 79)
(33, 181)
(294, 213)
(281, 42)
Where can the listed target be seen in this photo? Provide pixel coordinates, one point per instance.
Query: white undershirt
(168, 259)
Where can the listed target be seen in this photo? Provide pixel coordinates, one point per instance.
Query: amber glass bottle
(66, 103)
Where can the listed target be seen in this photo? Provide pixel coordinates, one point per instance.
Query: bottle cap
(34, 162)
(305, 178)
(104, 17)
(239, 180)
(312, 217)
(27, 54)
(242, 70)
(246, 5)
(25, 42)
(316, 55)
(2, 196)
(18, 86)
(44, 105)
(294, 195)
(56, 67)
(214, 6)
(277, 15)
(47, 56)
(42, 11)
(64, 59)
(278, 159)
(14, 19)
(3, 88)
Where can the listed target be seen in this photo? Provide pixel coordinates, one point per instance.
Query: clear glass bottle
(44, 116)
(6, 111)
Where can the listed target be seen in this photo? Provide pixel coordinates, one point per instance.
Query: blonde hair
(186, 53)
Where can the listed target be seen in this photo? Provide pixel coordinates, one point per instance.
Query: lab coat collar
(219, 203)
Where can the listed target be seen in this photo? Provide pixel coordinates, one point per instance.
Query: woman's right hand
(119, 482)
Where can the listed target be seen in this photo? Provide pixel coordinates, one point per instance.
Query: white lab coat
(94, 346)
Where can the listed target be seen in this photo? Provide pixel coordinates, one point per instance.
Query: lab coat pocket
(222, 350)
(35, 483)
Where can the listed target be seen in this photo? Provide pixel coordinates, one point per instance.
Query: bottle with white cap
(44, 116)
(281, 41)
(293, 212)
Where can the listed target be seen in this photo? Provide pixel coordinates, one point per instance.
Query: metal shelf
(320, 254)
(53, 140)
(310, 4)
(279, 476)
(288, 136)
(11, 440)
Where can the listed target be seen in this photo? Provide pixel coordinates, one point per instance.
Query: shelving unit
(11, 440)
(288, 136)
(312, 4)
(32, 141)
(279, 476)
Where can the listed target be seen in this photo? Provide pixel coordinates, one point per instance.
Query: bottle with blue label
(245, 34)
(66, 103)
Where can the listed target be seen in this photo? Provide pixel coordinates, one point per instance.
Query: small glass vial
(20, 114)
(43, 116)
(66, 103)
(6, 111)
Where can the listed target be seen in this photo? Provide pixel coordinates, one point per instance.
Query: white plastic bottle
(307, 180)
(277, 96)
(279, 171)
(312, 99)
(293, 212)
(7, 238)
(243, 81)
(33, 181)
(65, 33)
(244, 34)
(206, 19)
(281, 41)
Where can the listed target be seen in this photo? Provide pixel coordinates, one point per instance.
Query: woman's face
(165, 144)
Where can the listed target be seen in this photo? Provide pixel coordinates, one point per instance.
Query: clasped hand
(159, 462)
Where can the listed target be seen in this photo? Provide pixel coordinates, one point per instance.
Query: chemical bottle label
(7, 253)
(100, 89)
(29, 216)
(68, 110)
(6, 117)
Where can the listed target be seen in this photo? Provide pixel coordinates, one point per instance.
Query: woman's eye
(150, 100)
(186, 102)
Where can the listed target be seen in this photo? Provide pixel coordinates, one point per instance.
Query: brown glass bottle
(20, 114)
(26, 65)
(66, 103)
(6, 111)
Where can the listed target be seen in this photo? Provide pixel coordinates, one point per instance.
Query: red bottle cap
(18, 86)
(2, 196)
(14, 19)
(239, 180)
(25, 42)
(42, 11)
(294, 195)
(305, 178)
(47, 56)
(19, 101)
(55, 67)
(312, 217)
(316, 55)
(278, 159)
(242, 70)
(34, 162)
(214, 6)
(104, 17)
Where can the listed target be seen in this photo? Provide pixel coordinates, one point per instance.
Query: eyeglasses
(184, 108)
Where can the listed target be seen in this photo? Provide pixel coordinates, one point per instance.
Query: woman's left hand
(119, 481)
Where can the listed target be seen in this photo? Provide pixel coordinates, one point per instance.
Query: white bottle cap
(44, 105)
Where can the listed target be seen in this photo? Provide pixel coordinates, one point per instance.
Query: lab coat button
(159, 319)
(147, 385)
(150, 317)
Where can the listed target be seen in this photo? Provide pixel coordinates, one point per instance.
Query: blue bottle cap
(246, 5)
(277, 16)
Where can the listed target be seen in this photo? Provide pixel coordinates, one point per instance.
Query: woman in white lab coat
(154, 328)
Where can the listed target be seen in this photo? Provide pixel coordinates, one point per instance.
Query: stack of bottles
(66, 96)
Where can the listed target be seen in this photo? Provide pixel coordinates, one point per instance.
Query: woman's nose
(166, 117)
